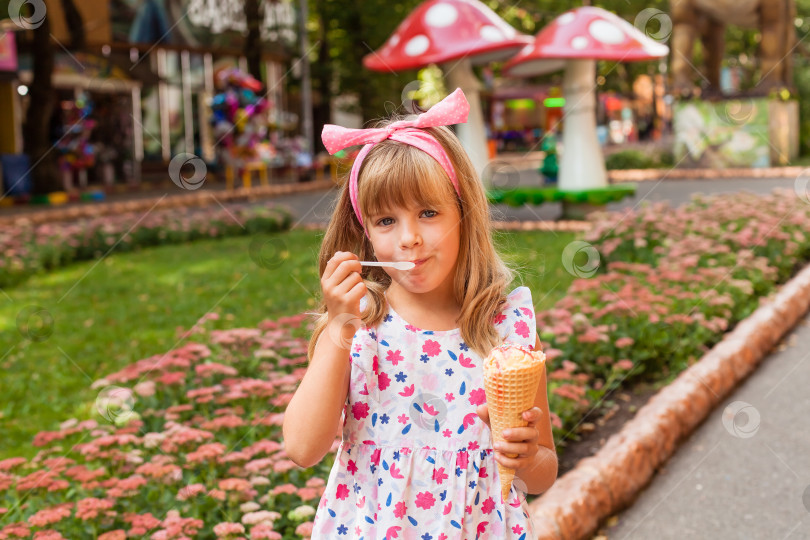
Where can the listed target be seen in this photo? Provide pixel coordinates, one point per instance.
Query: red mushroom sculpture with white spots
(456, 34)
(574, 41)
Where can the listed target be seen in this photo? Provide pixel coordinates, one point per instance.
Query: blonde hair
(397, 174)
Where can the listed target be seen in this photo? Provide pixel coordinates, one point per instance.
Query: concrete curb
(183, 200)
(605, 483)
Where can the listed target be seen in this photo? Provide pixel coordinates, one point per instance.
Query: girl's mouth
(418, 262)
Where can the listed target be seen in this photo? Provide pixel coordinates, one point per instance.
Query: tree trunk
(322, 75)
(36, 132)
(75, 24)
(253, 40)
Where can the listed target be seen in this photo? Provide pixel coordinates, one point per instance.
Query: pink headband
(451, 110)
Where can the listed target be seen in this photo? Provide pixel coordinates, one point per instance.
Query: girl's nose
(410, 235)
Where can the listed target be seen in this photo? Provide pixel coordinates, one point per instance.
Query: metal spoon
(399, 265)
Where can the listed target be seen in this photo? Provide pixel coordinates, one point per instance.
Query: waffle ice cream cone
(511, 376)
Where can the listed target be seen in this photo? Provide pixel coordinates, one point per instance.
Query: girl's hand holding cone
(511, 377)
(520, 445)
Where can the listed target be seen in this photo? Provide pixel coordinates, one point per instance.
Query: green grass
(110, 313)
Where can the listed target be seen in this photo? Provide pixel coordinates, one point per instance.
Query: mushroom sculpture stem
(582, 165)
(472, 136)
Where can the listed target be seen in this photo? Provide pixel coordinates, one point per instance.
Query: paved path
(753, 485)
(312, 208)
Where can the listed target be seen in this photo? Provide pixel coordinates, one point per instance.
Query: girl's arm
(312, 417)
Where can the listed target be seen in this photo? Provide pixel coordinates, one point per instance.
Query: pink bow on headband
(451, 110)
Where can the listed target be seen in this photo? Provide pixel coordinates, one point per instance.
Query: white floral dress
(416, 461)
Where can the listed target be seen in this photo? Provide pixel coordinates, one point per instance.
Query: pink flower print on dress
(425, 500)
(439, 475)
(488, 505)
(478, 396)
(461, 459)
(342, 491)
(395, 473)
(528, 312)
(360, 410)
(385, 381)
(465, 361)
(352, 467)
(399, 509)
(522, 329)
(394, 357)
(499, 318)
(447, 508)
(431, 348)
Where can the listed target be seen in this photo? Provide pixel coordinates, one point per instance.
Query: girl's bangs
(399, 175)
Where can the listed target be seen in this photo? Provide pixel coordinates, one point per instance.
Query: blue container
(16, 174)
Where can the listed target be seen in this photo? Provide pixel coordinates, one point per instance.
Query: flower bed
(186, 445)
(190, 442)
(27, 249)
(669, 283)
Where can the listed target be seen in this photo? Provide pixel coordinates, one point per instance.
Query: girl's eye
(429, 213)
(385, 221)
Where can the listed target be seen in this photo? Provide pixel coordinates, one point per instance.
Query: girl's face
(427, 236)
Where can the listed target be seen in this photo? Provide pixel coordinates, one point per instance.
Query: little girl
(400, 352)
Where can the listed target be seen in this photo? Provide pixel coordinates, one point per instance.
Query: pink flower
(234, 484)
(360, 410)
(342, 492)
(352, 467)
(228, 529)
(488, 505)
(624, 342)
(394, 357)
(49, 534)
(264, 531)
(400, 509)
(51, 515)
(91, 507)
(473, 446)
(431, 348)
(500, 318)
(462, 459)
(624, 364)
(447, 433)
(425, 500)
(118, 534)
(307, 493)
(402, 418)
(284, 488)
(385, 381)
(517, 529)
(478, 396)
(439, 475)
(522, 329)
(304, 529)
(449, 397)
